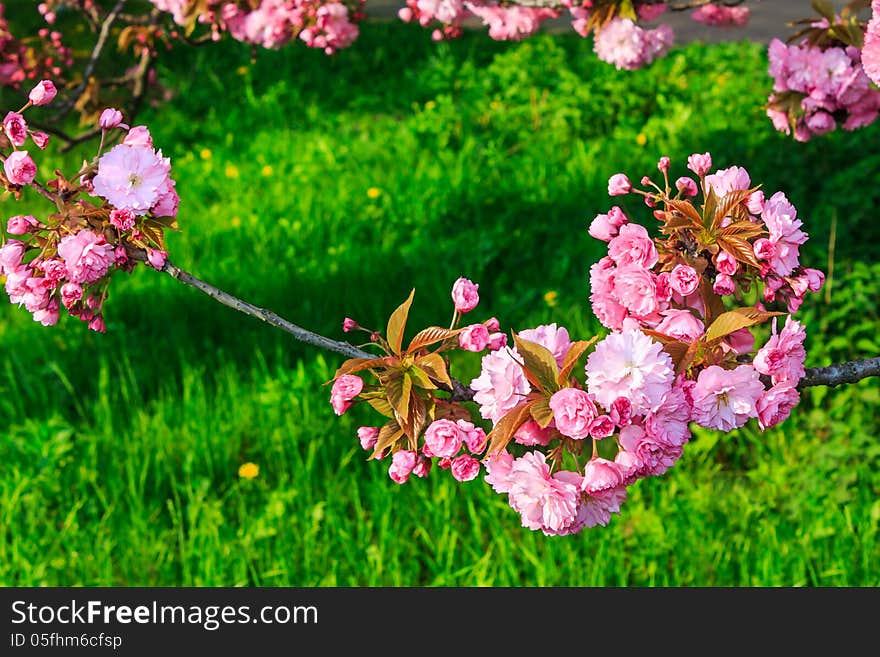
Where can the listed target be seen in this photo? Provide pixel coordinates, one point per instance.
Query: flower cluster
(627, 46)
(274, 23)
(871, 49)
(565, 448)
(721, 15)
(815, 89)
(66, 259)
(505, 22)
(23, 60)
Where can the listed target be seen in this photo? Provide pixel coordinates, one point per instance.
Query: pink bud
(684, 279)
(19, 225)
(157, 258)
(15, 128)
(663, 164)
(686, 186)
(349, 325)
(645, 181)
(368, 436)
(497, 341)
(41, 139)
(726, 263)
(405, 14)
(464, 295)
(700, 163)
(815, 279)
(724, 285)
(492, 324)
(474, 338)
(43, 93)
(110, 118)
(755, 202)
(764, 249)
(138, 136)
(619, 185)
(20, 168)
(97, 324)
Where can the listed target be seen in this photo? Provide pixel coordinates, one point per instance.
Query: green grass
(119, 453)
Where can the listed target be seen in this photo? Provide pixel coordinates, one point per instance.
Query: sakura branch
(562, 439)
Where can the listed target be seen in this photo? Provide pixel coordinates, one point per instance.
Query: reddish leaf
(539, 362)
(572, 357)
(429, 336)
(542, 413)
(504, 429)
(435, 367)
(353, 365)
(397, 323)
(388, 436)
(727, 323)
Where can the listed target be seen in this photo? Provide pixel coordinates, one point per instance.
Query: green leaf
(542, 413)
(429, 336)
(381, 404)
(420, 378)
(734, 320)
(504, 429)
(435, 367)
(709, 207)
(397, 323)
(572, 357)
(539, 362)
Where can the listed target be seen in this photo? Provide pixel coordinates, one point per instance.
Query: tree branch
(832, 375)
(840, 373)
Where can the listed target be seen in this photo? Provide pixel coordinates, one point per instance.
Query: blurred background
(324, 187)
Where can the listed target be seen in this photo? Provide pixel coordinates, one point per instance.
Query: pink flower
(443, 438)
(669, 424)
(157, 258)
(54, 270)
(70, 294)
(11, 254)
(131, 177)
(15, 128)
(167, 203)
(764, 249)
(601, 475)
(632, 365)
(871, 50)
(97, 324)
(20, 168)
(726, 399)
(726, 263)
(110, 118)
(633, 246)
(464, 295)
(626, 45)
(19, 225)
(474, 437)
(465, 467)
(349, 325)
(41, 139)
(784, 227)
(721, 16)
(498, 467)
(501, 385)
(654, 457)
(684, 279)
(782, 358)
(474, 338)
(43, 93)
(728, 180)
(681, 325)
(621, 411)
(138, 136)
(368, 437)
(724, 285)
(595, 509)
(544, 501)
(402, 464)
(700, 163)
(344, 390)
(619, 185)
(636, 289)
(531, 433)
(605, 226)
(48, 316)
(602, 427)
(739, 342)
(497, 341)
(573, 412)
(122, 219)
(86, 255)
(775, 405)
(686, 186)
(555, 339)
(422, 467)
